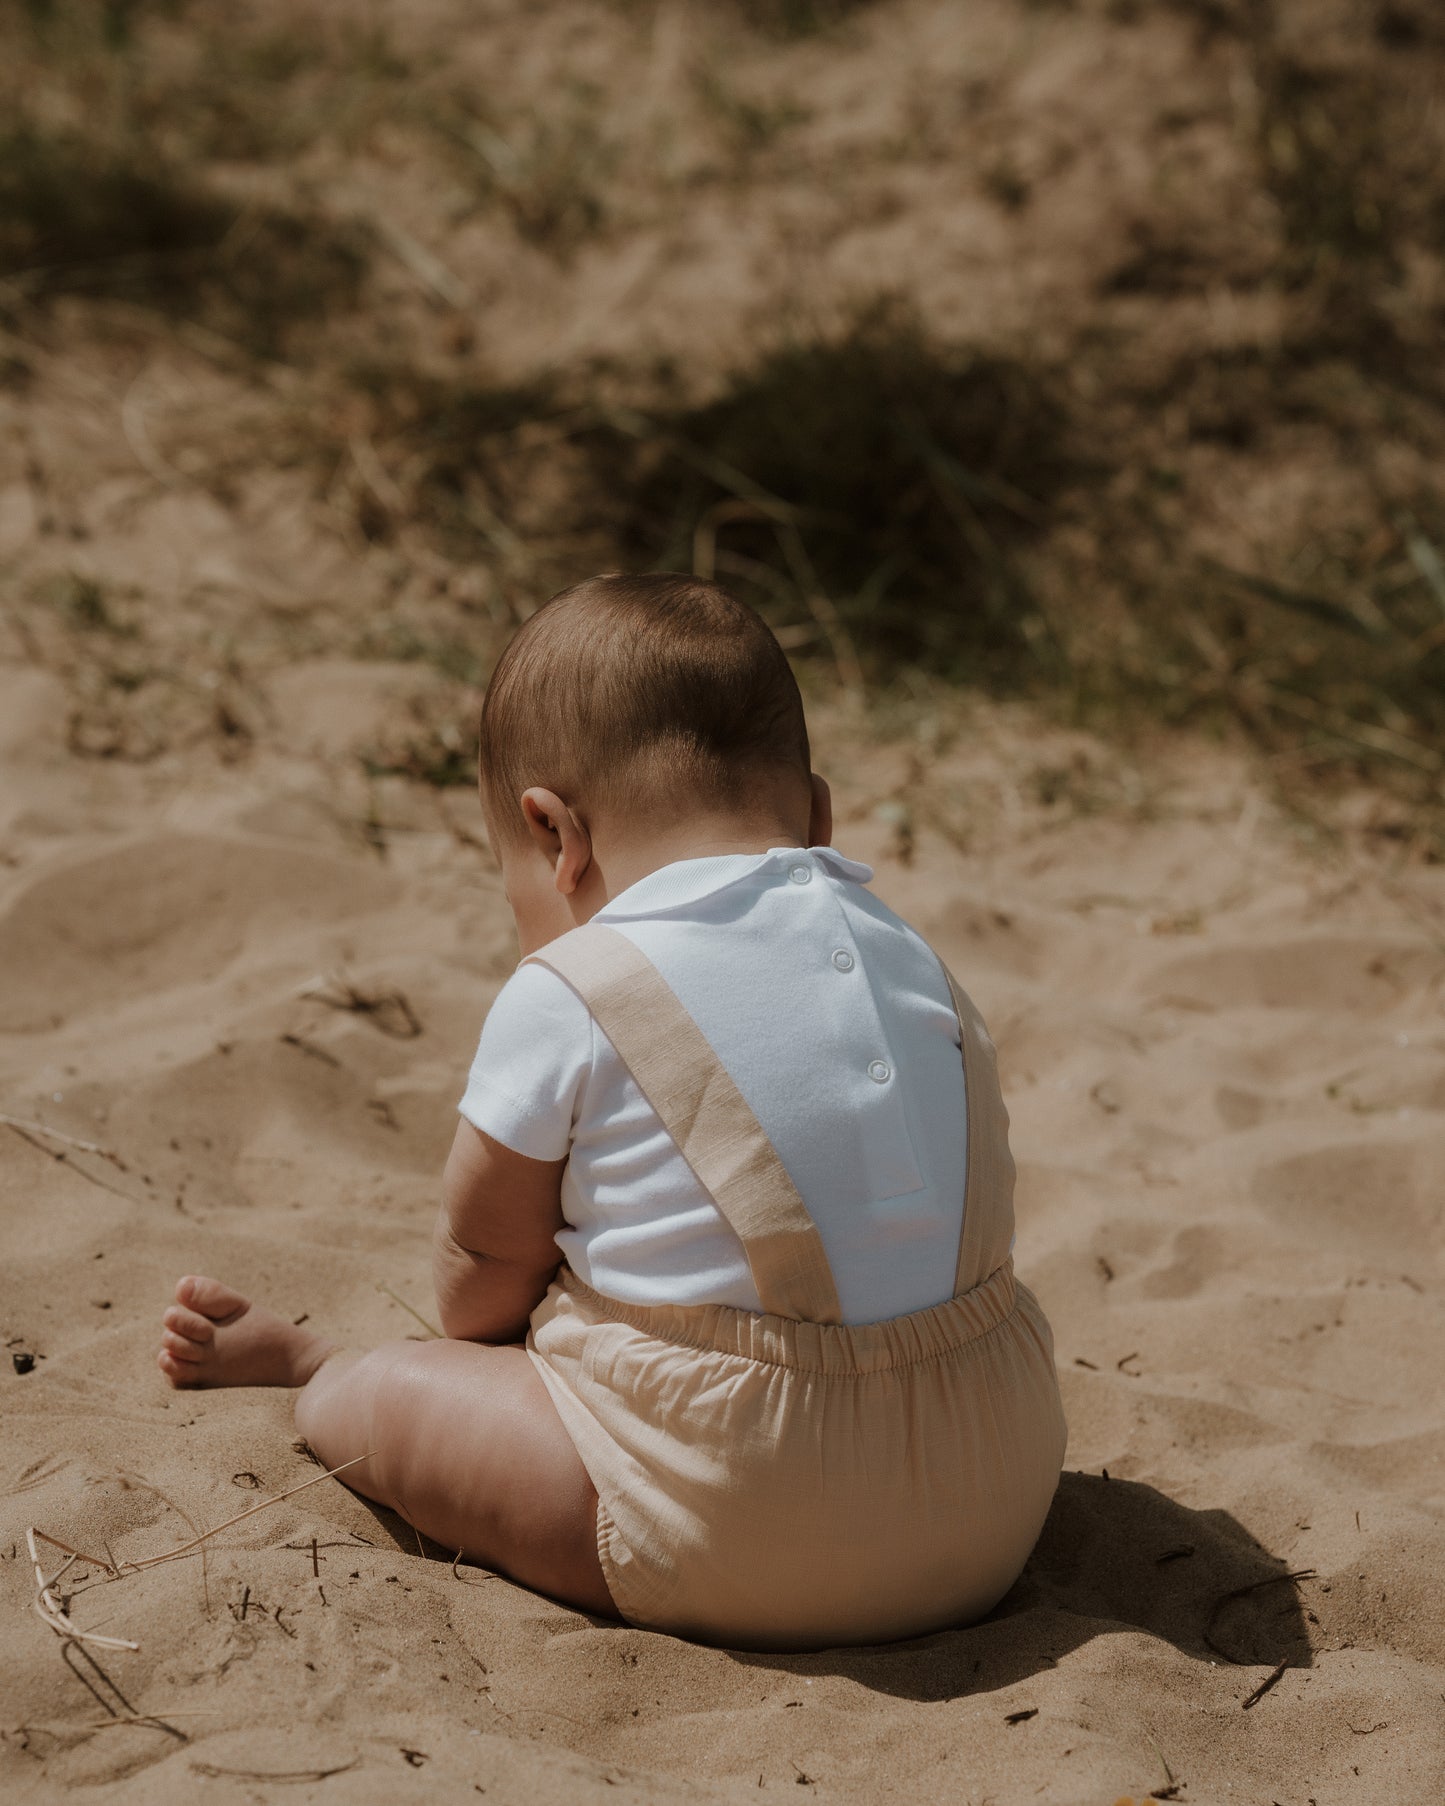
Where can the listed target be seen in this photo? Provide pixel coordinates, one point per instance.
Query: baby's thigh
(468, 1446)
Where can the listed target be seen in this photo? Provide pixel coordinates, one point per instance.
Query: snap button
(843, 960)
(800, 874)
(879, 1071)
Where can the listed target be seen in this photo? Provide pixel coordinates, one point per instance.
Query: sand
(1222, 1044)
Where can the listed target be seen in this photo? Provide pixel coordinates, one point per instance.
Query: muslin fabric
(780, 1480)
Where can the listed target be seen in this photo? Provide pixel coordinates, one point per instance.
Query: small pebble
(23, 1360)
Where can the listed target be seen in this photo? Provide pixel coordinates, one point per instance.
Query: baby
(734, 1347)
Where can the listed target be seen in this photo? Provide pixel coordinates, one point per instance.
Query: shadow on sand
(1114, 1555)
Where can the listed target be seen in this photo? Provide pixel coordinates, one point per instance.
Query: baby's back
(833, 1018)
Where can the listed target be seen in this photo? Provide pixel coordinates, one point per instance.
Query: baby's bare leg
(467, 1446)
(464, 1439)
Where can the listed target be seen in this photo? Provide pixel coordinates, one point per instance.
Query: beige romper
(783, 1480)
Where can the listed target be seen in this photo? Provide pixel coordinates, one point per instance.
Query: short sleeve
(533, 1060)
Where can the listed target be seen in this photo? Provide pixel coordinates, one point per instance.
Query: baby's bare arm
(495, 1250)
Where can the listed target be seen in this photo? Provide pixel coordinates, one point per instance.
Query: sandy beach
(1222, 1049)
(1029, 363)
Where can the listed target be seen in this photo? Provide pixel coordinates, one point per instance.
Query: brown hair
(622, 682)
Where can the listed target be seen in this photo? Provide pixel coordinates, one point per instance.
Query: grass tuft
(875, 475)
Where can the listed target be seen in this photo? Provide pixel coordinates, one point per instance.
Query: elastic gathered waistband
(814, 1347)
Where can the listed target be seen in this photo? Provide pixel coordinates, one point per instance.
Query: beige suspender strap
(988, 1210)
(705, 1114)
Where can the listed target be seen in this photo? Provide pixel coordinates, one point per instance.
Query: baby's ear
(820, 817)
(560, 834)
(541, 810)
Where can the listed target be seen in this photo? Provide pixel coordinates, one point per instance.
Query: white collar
(688, 881)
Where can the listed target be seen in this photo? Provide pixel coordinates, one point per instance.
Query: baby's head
(632, 721)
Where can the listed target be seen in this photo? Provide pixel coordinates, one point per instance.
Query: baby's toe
(179, 1373)
(190, 1324)
(180, 1348)
(211, 1298)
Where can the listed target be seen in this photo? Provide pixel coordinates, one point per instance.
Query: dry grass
(877, 475)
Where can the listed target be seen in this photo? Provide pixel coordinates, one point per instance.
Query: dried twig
(355, 1542)
(213, 1773)
(154, 1561)
(1271, 1680)
(31, 1133)
(1171, 1783)
(106, 1567)
(186, 1518)
(456, 1576)
(37, 1474)
(159, 1715)
(71, 1141)
(151, 1720)
(48, 1608)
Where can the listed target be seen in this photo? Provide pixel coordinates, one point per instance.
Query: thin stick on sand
(486, 1573)
(1272, 1679)
(187, 1519)
(154, 1561)
(106, 1567)
(148, 1720)
(70, 1141)
(29, 1132)
(153, 1719)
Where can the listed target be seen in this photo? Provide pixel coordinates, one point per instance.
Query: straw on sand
(47, 1606)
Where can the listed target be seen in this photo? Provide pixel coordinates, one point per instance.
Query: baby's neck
(622, 858)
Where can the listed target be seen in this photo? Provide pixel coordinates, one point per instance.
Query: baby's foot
(215, 1337)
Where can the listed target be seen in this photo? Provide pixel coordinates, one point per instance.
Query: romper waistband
(815, 1347)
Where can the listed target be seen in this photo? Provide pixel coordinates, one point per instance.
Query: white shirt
(834, 1019)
